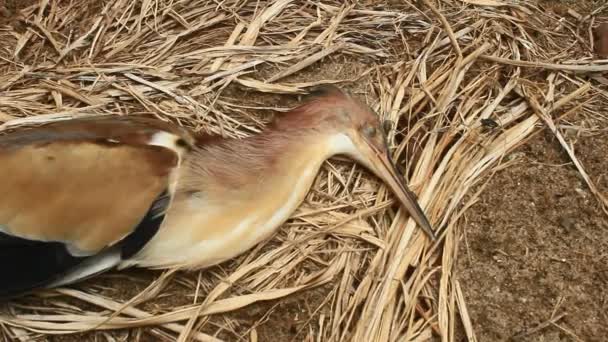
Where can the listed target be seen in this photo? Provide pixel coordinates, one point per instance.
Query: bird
(84, 195)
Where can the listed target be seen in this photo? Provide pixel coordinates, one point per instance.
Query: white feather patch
(166, 140)
(77, 252)
(343, 144)
(90, 267)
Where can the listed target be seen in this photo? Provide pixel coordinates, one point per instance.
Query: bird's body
(82, 196)
(237, 205)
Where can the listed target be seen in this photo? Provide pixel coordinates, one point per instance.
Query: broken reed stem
(446, 26)
(538, 328)
(581, 68)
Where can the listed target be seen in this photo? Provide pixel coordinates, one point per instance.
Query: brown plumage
(85, 195)
(97, 176)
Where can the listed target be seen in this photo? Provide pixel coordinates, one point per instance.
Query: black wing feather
(28, 265)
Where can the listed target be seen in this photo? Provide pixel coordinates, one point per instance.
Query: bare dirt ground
(535, 248)
(533, 263)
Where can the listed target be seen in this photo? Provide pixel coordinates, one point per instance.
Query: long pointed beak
(387, 171)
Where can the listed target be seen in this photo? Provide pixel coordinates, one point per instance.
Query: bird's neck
(264, 161)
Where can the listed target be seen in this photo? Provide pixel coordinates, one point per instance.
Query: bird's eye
(370, 131)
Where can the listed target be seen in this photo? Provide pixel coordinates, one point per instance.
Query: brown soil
(532, 261)
(536, 247)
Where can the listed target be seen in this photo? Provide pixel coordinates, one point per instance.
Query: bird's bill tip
(386, 170)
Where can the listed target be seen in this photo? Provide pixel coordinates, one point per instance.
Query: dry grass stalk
(580, 68)
(219, 66)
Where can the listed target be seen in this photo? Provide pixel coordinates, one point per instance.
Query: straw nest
(465, 81)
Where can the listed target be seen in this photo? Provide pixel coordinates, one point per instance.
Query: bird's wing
(71, 190)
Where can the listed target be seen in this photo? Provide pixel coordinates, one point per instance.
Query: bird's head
(354, 130)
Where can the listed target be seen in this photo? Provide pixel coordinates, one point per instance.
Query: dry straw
(465, 81)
